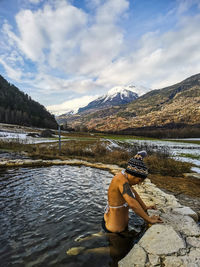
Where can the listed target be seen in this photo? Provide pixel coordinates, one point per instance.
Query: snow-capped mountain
(115, 97)
(70, 112)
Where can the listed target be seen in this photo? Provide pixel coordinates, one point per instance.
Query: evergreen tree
(18, 108)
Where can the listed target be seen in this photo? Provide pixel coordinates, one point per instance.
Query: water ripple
(43, 210)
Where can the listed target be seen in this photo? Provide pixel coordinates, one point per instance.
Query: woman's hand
(155, 219)
(151, 207)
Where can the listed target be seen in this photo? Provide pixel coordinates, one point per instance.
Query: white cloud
(81, 53)
(73, 104)
(63, 37)
(111, 11)
(161, 58)
(60, 36)
(13, 73)
(98, 44)
(34, 1)
(48, 84)
(184, 5)
(46, 32)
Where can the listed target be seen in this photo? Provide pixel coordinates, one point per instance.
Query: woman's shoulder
(119, 178)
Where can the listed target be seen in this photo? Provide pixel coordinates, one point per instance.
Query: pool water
(44, 212)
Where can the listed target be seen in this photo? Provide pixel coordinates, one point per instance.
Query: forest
(17, 107)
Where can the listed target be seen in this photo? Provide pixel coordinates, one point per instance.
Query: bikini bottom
(103, 225)
(120, 243)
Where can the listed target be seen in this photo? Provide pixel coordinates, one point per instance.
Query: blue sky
(66, 53)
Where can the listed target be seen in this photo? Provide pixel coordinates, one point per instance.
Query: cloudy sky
(64, 53)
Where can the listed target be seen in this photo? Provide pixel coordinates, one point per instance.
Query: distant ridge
(18, 108)
(170, 107)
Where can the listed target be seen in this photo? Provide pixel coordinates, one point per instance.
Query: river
(45, 210)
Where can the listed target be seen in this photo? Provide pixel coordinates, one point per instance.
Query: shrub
(99, 149)
(46, 133)
(166, 166)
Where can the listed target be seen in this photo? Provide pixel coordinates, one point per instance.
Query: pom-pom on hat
(136, 166)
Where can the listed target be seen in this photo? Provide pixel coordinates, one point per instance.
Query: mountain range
(115, 97)
(175, 105)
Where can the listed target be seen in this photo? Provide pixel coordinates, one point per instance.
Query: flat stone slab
(191, 260)
(136, 257)
(161, 240)
(183, 224)
(186, 211)
(193, 241)
(173, 261)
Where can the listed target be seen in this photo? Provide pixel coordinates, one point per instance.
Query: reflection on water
(43, 211)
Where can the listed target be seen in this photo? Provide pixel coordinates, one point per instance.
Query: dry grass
(97, 151)
(15, 145)
(166, 166)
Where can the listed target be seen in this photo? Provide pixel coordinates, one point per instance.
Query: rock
(28, 162)
(194, 257)
(172, 201)
(159, 201)
(2, 163)
(136, 257)
(161, 240)
(173, 261)
(186, 211)
(183, 224)
(154, 212)
(191, 260)
(57, 162)
(193, 241)
(19, 163)
(182, 252)
(154, 259)
(33, 134)
(148, 182)
(47, 133)
(188, 227)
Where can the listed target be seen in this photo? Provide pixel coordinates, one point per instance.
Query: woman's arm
(153, 207)
(138, 198)
(135, 205)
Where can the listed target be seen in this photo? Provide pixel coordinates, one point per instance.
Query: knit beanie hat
(136, 166)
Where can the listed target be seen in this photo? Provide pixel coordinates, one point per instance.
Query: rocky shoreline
(185, 189)
(176, 242)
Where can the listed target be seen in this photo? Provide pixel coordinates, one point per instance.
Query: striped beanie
(136, 166)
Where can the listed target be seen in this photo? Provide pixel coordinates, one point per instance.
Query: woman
(122, 197)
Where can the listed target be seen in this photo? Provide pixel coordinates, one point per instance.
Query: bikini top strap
(117, 207)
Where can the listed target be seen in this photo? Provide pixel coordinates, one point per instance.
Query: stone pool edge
(5, 163)
(176, 242)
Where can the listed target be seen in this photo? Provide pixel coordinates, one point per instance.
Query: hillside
(178, 104)
(18, 108)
